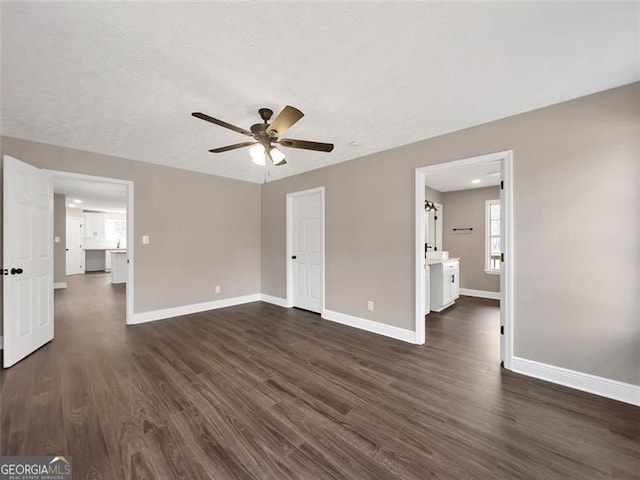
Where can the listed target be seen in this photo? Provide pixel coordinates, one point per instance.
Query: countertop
(118, 251)
(104, 249)
(433, 261)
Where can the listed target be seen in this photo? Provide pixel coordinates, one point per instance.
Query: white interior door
(75, 252)
(307, 251)
(28, 259)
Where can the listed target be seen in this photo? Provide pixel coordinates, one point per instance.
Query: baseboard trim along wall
(480, 293)
(623, 392)
(194, 308)
(281, 302)
(371, 326)
(59, 285)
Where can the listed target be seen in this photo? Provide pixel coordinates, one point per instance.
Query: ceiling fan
(266, 134)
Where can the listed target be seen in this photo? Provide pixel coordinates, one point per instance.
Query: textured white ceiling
(122, 78)
(454, 179)
(100, 196)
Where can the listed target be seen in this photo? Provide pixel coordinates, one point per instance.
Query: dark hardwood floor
(261, 392)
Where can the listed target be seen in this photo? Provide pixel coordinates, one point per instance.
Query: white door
(306, 253)
(75, 252)
(28, 259)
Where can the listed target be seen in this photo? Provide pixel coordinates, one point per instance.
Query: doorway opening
(305, 250)
(464, 249)
(93, 240)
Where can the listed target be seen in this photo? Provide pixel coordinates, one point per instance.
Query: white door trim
(506, 303)
(130, 236)
(289, 249)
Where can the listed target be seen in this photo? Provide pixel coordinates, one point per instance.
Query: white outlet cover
(217, 288)
(56, 239)
(145, 239)
(370, 306)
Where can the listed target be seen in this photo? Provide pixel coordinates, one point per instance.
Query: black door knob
(16, 271)
(293, 257)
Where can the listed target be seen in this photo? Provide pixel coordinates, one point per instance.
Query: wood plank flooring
(261, 392)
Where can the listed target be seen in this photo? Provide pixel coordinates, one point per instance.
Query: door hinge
(501, 184)
(501, 329)
(502, 257)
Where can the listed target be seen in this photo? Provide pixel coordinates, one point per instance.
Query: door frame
(506, 295)
(289, 247)
(130, 236)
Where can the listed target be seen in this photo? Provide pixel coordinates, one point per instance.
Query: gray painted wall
(60, 230)
(432, 195)
(577, 230)
(204, 230)
(466, 208)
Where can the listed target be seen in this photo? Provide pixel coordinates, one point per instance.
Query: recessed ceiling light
(494, 174)
(72, 205)
(475, 181)
(77, 201)
(355, 143)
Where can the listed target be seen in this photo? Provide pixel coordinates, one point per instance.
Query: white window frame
(487, 236)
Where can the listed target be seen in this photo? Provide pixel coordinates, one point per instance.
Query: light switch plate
(56, 239)
(145, 239)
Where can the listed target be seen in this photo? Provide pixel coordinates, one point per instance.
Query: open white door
(307, 251)
(28, 259)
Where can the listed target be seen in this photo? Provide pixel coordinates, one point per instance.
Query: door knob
(16, 271)
(293, 257)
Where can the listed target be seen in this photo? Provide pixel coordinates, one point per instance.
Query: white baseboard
(58, 285)
(480, 293)
(281, 302)
(371, 326)
(195, 308)
(624, 392)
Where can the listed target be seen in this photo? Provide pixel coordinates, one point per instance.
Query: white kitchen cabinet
(119, 266)
(95, 225)
(445, 284)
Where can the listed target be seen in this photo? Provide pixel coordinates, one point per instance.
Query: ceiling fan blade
(285, 119)
(231, 147)
(306, 145)
(207, 118)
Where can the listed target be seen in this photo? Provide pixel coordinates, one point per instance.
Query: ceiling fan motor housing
(260, 133)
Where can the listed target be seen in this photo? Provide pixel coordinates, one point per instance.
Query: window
(116, 231)
(493, 242)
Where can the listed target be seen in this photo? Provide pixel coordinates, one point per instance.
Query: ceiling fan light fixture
(276, 155)
(258, 155)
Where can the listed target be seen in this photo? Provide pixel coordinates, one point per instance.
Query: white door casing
(506, 275)
(306, 252)
(75, 252)
(28, 259)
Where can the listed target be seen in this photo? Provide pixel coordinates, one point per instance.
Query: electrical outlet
(145, 239)
(370, 306)
(56, 239)
(217, 288)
